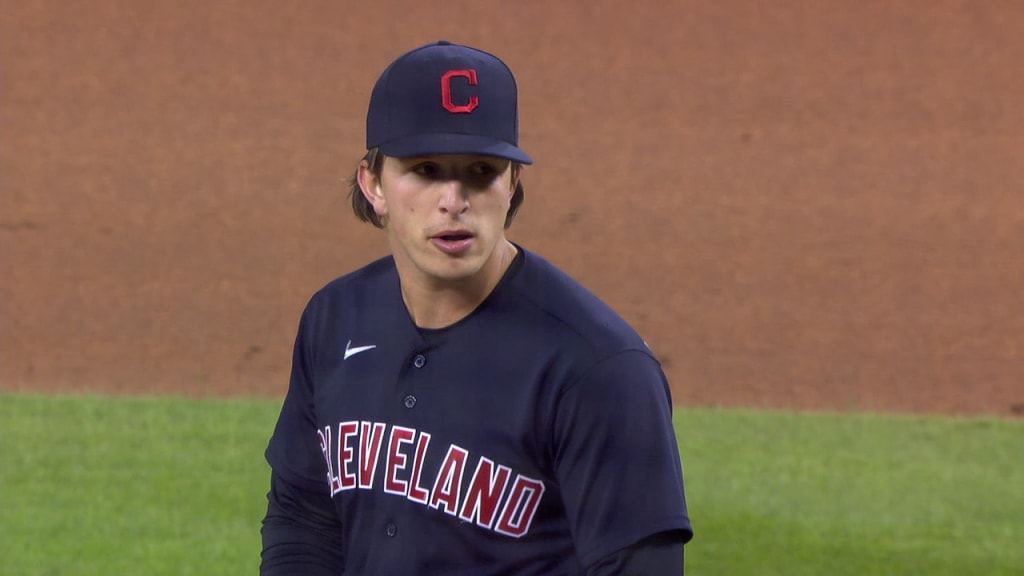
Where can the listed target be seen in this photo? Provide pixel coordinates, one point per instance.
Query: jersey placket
(406, 448)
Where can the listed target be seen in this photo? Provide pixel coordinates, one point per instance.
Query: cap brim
(431, 144)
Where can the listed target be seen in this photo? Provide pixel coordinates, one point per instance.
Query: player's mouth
(453, 242)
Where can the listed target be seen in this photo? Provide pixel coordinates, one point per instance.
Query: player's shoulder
(356, 287)
(571, 308)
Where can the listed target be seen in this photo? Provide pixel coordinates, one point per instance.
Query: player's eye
(483, 173)
(483, 169)
(427, 169)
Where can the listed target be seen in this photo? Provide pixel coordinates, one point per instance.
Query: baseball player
(462, 407)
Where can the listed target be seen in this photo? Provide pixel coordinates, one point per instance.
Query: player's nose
(454, 198)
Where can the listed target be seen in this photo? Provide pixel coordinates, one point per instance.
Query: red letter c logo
(446, 92)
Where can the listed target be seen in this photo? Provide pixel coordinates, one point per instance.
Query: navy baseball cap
(444, 98)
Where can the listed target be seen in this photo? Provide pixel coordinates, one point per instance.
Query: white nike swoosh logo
(353, 351)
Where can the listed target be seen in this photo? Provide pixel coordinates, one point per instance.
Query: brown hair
(375, 160)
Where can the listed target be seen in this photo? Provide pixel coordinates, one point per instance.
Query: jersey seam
(583, 338)
(597, 363)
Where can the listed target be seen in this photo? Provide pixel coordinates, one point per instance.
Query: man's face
(445, 214)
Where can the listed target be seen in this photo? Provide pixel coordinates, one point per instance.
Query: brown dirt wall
(800, 205)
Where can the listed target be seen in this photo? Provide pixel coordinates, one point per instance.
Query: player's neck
(434, 303)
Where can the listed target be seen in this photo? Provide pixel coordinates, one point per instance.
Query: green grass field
(169, 486)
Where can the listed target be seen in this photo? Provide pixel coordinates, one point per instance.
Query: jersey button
(419, 360)
(410, 401)
(391, 530)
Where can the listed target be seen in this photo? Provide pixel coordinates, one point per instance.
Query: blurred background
(808, 205)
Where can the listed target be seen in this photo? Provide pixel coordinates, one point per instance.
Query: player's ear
(369, 185)
(517, 170)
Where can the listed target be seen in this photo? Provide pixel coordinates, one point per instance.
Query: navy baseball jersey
(533, 436)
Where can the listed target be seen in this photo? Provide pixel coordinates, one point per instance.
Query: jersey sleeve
(300, 533)
(294, 451)
(616, 456)
(658, 555)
